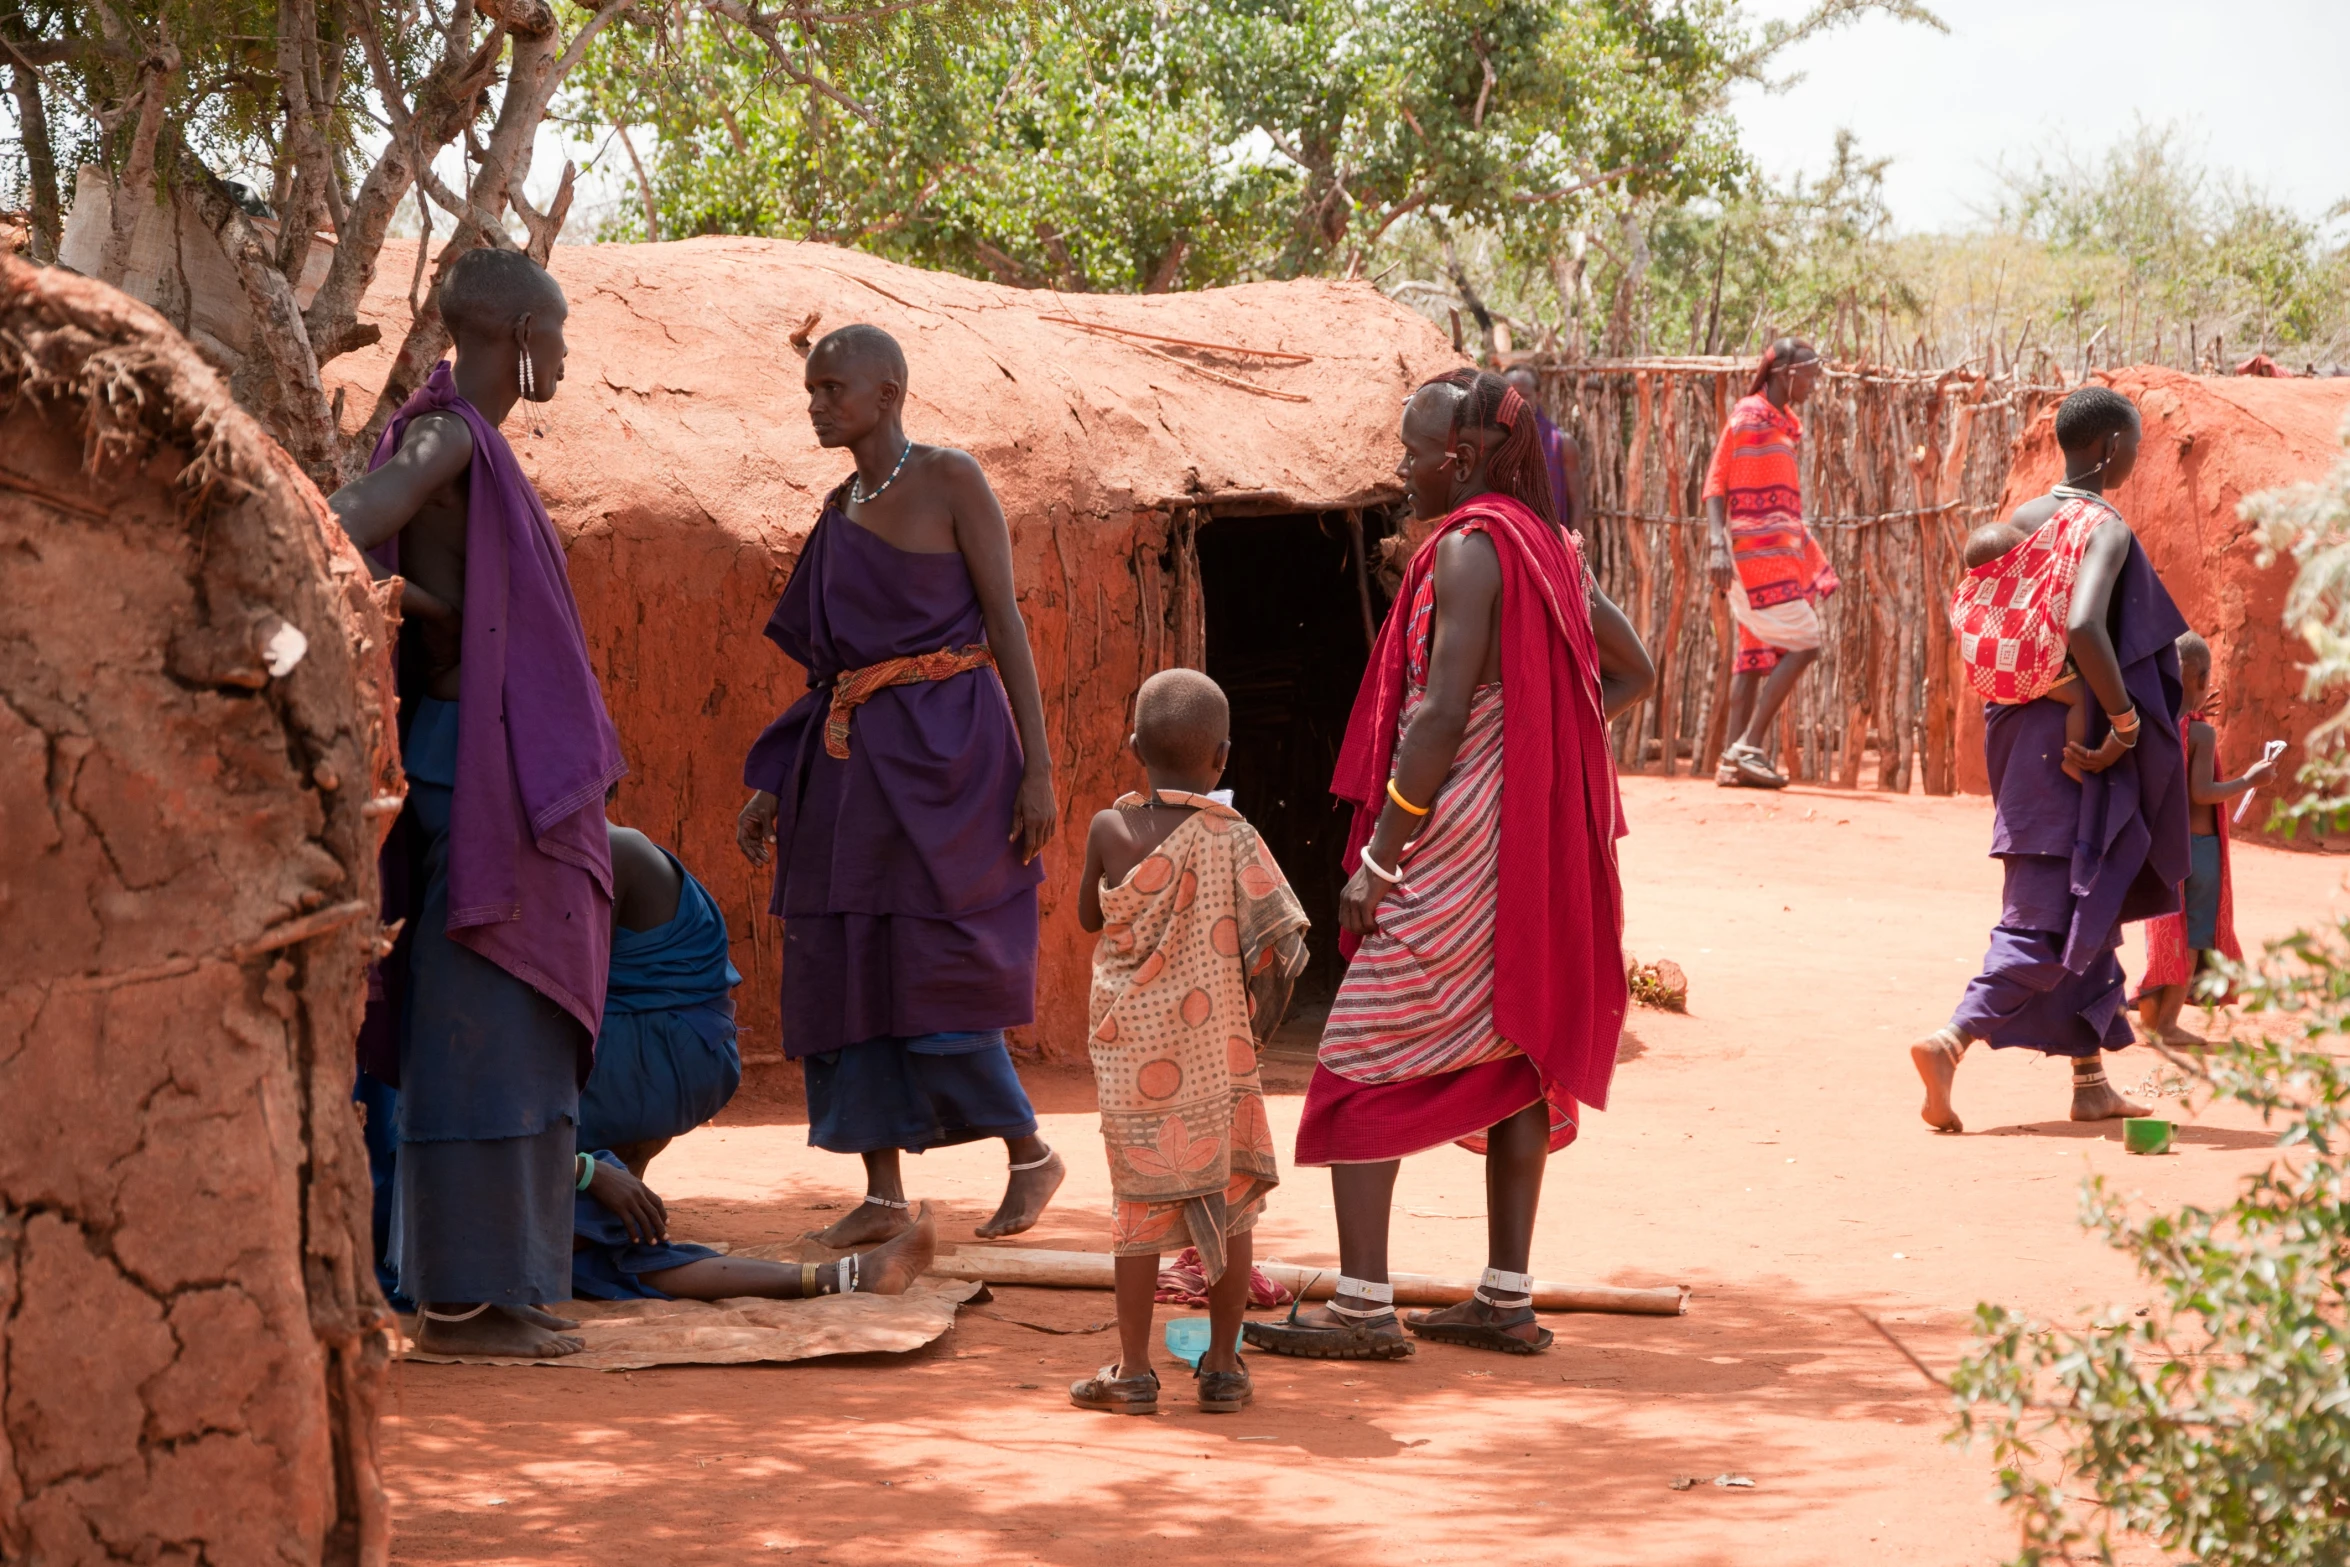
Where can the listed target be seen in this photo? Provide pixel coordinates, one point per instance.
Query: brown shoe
(1112, 1394)
(1749, 769)
(1225, 1392)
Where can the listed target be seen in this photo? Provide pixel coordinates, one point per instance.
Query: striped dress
(1418, 998)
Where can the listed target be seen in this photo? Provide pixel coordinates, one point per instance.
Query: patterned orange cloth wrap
(856, 686)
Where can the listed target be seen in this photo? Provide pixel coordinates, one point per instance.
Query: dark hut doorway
(1286, 603)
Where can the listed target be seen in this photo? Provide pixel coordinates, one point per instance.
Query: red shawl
(1559, 991)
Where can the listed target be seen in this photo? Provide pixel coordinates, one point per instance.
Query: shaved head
(865, 347)
(2090, 414)
(1180, 721)
(488, 290)
(2194, 653)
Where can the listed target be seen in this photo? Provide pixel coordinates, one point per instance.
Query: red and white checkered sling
(2010, 614)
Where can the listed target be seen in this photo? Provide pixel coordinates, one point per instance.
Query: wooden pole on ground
(1092, 1270)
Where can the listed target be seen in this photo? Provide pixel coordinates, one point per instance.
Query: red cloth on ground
(1559, 986)
(1184, 1282)
(2169, 960)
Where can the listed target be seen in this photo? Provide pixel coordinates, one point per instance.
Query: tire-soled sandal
(1111, 1394)
(1359, 1335)
(1480, 1335)
(1225, 1392)
(1516, 1307)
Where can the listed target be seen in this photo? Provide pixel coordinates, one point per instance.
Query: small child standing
(2179, 946)
(1201, 944)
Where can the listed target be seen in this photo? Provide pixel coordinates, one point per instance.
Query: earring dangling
(522, 369)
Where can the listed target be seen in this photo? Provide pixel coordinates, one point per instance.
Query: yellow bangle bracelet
(1395, 794)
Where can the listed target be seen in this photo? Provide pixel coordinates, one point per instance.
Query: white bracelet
(1392, 878)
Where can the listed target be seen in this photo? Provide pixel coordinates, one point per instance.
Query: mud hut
(194, 699)
(1185, 476)
(2210, 441)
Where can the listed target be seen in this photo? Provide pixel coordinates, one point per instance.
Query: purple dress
(2082, 859)
(910, 922)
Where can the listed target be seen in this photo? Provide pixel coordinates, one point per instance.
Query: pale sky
(2257, 86)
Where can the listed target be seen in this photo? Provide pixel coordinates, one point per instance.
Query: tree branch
(535, 69)
(1485, 89)
(545, 228)
(1411, 203)
(307, 105)
(136, 189)
(444, 103)
(761, 25)
(644, 187)
(291, 387)
(1593, 183)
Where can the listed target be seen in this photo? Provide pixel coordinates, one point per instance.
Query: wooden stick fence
(1898, 464)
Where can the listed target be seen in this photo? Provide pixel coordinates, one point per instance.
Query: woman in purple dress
(907, 800)
(2079, 858)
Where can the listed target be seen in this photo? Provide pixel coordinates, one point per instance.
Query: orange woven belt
(855, 686)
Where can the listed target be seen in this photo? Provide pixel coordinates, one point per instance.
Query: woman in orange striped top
(1763, 557)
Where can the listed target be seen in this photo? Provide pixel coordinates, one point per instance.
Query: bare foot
(1938, 1065)
(497, 1333)
(892, 1268)
(1024, 1198)
(2178, 1038)
(2097, 1101)
(544, 1319)
(867, 1224)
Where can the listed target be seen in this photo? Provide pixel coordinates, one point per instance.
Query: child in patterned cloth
(1201, 943)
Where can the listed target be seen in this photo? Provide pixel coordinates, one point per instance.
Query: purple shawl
(530, 867)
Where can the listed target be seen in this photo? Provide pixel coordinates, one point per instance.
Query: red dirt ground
(1764, 1150)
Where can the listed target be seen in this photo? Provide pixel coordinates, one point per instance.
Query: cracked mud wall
(194, 683)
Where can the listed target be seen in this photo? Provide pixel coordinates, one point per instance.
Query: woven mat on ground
(631, 1335)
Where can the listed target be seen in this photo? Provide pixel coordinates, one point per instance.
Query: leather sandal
(1112, 1394)
(1225, 1392)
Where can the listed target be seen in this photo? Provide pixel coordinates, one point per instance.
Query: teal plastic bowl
(1187, 1339)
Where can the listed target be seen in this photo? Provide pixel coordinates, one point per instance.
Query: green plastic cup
(2146, 1134)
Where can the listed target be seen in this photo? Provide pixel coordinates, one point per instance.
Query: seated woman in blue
(620, 1250)
(665, 1063)
(666, 1060)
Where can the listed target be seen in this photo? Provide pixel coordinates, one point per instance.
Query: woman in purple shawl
(2081, 859)
(487, 1014)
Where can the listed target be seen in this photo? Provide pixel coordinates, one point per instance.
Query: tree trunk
(40, 158)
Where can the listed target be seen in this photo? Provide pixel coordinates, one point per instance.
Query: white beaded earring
(523, 370)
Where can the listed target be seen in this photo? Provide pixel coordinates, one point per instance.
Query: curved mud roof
(684, 386)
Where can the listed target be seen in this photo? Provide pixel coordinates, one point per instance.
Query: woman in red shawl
(1484, 915)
